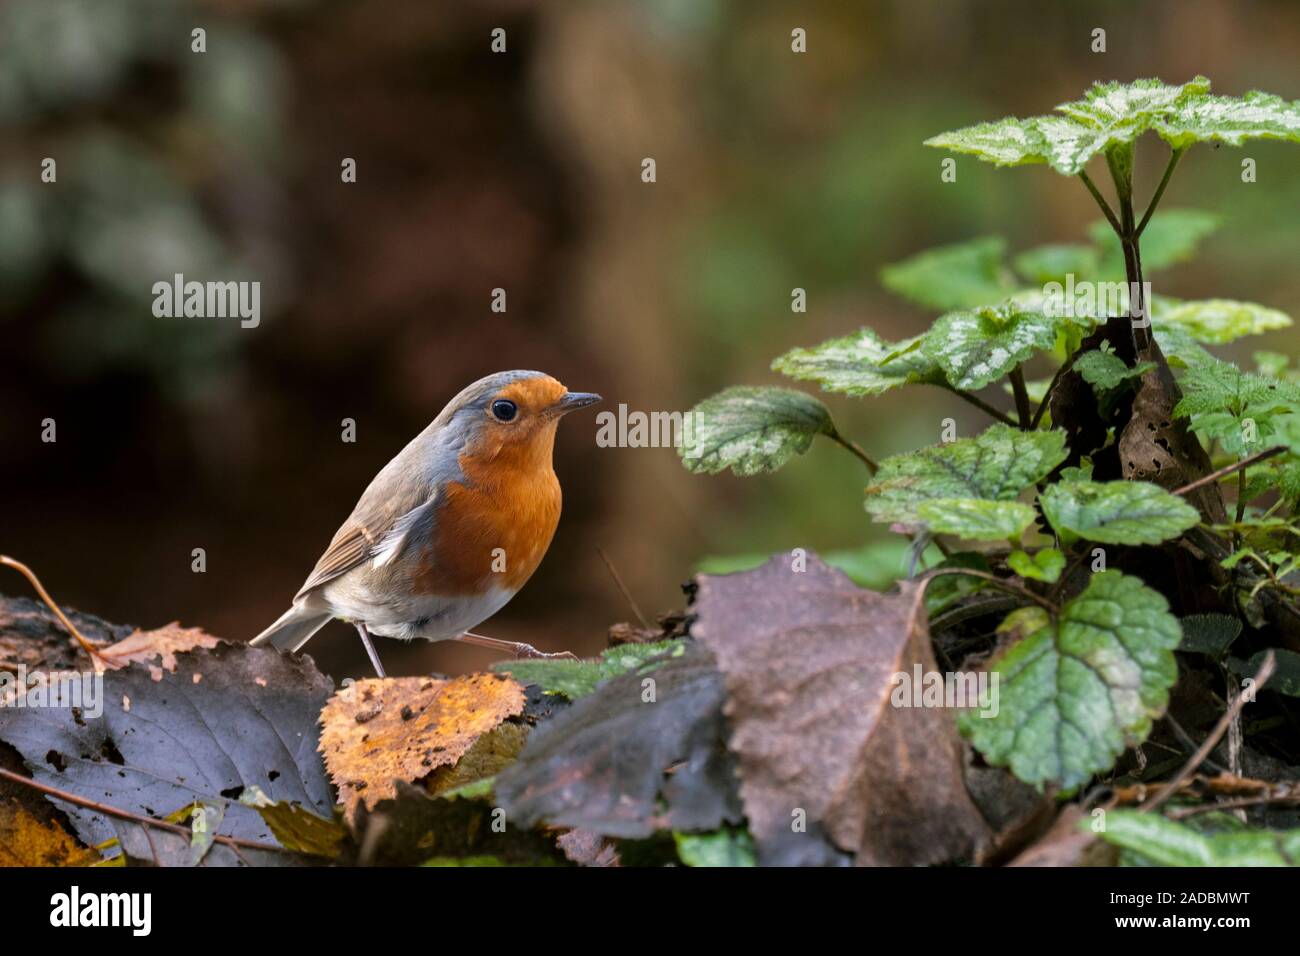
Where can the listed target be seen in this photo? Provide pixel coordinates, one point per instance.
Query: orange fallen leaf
(376, 732)
(28, 841)
(160, 645)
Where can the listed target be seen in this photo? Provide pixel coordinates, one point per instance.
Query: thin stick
(120, 814)
(997, 582)
(1241, 803)
(618, 581)
(982, 405)
(1229, 469)
(35, 582)
(1174, 156)
(853, 447)
(1101, 201)
(1212, 741)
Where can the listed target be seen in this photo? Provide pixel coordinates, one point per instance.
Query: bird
(450, 529)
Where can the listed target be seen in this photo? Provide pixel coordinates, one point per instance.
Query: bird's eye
(504, 410)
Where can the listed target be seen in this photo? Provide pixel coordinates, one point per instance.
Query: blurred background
(521, 170)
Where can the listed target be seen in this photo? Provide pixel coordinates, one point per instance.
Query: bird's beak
(574, 400)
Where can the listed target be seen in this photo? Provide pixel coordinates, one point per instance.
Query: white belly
(431, 617)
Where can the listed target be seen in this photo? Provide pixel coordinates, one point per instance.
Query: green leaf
(1219, 398)
(1073, 694)
(995, 465)
(976, 347)
(1104, 370)
(959, 276)
(1116, 512)
(1053, 263)
(1166, 843)
(1109, 114)
(724, 847)
(576, 679)
(751, 430)
(1044, 565)
(1171, 237)
(1210, 634)
(976, 519)
(861, 364)
(1219, 321)
(1230, 119)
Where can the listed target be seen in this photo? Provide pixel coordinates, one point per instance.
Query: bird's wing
(378, 527)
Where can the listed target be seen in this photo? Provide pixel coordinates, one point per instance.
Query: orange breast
(494, 528)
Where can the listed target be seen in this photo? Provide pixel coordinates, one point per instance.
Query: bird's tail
(293, 629)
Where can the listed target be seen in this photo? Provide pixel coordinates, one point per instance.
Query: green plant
(1127, 445)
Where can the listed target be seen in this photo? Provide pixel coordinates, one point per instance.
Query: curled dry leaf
(157, 648)
(379, 731)
(809, 661)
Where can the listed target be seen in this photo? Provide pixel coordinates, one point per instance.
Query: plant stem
(1021, 392)
(853, 447)
(1174, 156)
(998, 582)
(1101, 201)
(982, 405)
(1229, 469)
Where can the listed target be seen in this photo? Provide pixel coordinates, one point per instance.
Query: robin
(450, 529)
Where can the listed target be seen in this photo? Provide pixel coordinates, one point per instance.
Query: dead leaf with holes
(156, 649)
(379, 731)
(1157, 447)
(809, 660)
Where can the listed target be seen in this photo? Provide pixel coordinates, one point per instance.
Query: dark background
(520, 171)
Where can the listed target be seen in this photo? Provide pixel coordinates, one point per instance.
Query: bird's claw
(532, 653)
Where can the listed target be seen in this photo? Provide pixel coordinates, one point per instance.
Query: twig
(1105, 207)
(979, 403)
(144, 821)
(856, 449)
(1174, 156)
(1212, 741)
(1241, 803)
(618, 581)
(1229, 469)
(30, 575)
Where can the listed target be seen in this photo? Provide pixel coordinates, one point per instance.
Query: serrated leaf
(861, 364)
(995, 465)
(977, 346)
(959, 276)
(1046, 564)
(1210, 634)
(1109, 114)
(751, 430)
(1166, 843)
(1213, 386)
(1219, 321)
(1116, 512)
(1073, 694)
(1230, 119)
(1053, 263)
(1106, 370)
(976, 519)
(576, 679)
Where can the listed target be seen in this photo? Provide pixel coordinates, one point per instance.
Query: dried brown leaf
(157, 648)
(809, 658)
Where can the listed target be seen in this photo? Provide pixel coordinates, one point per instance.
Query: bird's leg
(370, 648)
(513, 647)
